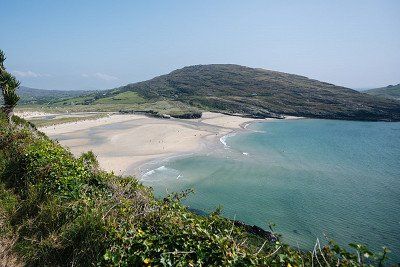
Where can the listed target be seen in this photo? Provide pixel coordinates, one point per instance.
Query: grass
(39, 122)
(168, 107)
(66, 211)
(113, 97)
(391, 91)
(122, 98)
(8, 203)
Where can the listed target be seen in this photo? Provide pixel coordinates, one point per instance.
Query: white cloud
(29, 74)
(105, 77)
(100, 76)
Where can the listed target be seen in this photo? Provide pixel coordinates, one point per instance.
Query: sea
(311, 179)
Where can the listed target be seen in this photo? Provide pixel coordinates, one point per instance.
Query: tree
(9, 85)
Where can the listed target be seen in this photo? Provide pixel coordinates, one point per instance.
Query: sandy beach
(124, 142)
(31, 114)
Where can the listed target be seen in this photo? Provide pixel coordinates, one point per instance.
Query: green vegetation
(391, 91)
(32, 96)
(122, 98)
(125, 102)
(173, 108)
(40, 122)
(246, 91)
(64, 211)
(9, 85)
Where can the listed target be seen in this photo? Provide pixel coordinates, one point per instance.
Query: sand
(124, 142)
(31, 114)
(87, 124)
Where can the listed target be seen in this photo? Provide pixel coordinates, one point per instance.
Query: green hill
(33, 96)
(391, 91)
(250, 92)
(41, 96)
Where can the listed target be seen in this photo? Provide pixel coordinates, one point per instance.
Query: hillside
(41, 96)
(391, 91)
(251, 92)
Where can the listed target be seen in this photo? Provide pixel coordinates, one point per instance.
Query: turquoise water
(309, 177)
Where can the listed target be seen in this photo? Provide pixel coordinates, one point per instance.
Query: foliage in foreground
(64, 211)
(8, 84)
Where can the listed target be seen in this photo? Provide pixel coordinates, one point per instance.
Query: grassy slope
(112, 101)
(391, 91)
(258, 92)
(40, 96)
(122, 98)
(65, 211)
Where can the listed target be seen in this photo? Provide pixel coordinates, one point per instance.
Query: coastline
(218, 142)
(125, 144)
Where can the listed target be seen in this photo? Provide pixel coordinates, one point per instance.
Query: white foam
(162, 168)
(223, 139)
(151, 172)
(148, 173)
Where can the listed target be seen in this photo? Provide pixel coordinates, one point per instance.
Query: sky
(71, 45)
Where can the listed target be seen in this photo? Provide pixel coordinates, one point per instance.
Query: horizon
(98, 45)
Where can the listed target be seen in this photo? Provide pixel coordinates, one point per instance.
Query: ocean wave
(223, 139)
(151, 172)
(161, 173)
(148, 173)
(162, 168)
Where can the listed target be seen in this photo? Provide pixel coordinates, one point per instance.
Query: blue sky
(103, 44)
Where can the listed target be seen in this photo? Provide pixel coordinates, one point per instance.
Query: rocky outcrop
(258, 231)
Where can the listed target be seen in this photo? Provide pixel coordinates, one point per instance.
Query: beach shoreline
(125, 144)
